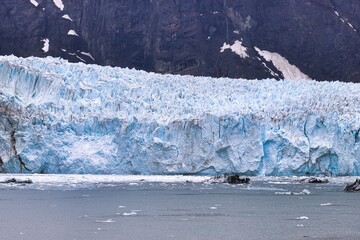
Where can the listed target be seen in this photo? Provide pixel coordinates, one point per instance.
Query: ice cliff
(58, 117)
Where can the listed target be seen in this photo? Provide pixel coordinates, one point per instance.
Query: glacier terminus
(60, 117)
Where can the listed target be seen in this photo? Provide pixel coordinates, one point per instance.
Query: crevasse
(59, 117)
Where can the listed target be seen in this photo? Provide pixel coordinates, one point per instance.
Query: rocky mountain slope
(299, 39)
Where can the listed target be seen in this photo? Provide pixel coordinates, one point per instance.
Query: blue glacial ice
(59, 117)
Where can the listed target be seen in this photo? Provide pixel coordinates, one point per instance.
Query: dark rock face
(320, 37)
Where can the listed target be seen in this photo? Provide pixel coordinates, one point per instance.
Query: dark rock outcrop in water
(320, 37)
(315, 180)
(18, 181)
(353, 187)
(229, 178)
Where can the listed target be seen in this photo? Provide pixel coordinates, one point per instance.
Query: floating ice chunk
(59, 4)
(303, 192)
(284, 193)
(282, 64)
(326, 204)
(67, 17)
(46, 45)
(34, 2)
(278, 182)
(237, 48)
(129, 214)
(213, 208)
(72, 33)
(106, 221)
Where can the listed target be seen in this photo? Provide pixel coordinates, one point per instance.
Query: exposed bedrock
(320, 37)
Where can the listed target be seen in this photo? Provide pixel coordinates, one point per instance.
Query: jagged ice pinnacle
(59, 117)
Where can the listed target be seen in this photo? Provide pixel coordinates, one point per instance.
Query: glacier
(60, 117)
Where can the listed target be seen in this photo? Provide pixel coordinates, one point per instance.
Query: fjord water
(143, 210)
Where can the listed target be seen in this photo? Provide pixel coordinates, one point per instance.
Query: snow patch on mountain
(270, 70)
(67, 17)
(59, 4)
(46, 46)
(34, 2)
(288, 70)
(88, 54)
(58, 117)
(81, 59)
(237, 48)
(345, 21)
(72, 32)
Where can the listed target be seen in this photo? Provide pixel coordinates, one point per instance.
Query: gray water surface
(180, 211)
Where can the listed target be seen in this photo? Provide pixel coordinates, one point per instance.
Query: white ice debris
(129, 214)
(72, 32)
(326, 204)
(67, 17)
(303, 192)
(74, 179)
(59, 4)
(105, 221)
(77, 118)
(237, 48)
(282, 64)
(34, 2)
(46, 44)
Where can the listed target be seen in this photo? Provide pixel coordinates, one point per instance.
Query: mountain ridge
(320, 38)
